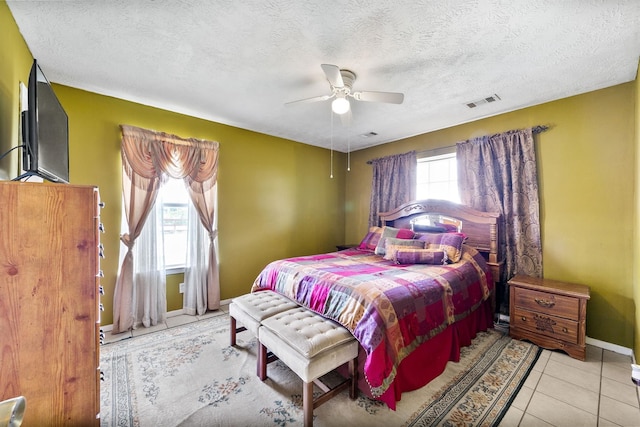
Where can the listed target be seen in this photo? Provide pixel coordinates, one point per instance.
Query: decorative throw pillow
(451, 243)
(408, 255)
(392, 245)
(371, 240)
(405, 233)
(449, 228)
(429, 228)
(391, 232)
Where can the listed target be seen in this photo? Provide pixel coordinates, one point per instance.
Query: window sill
(174, 270)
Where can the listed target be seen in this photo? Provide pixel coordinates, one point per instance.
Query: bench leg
(353, 372)
(262, 362)
(232, 331)
(307, 403)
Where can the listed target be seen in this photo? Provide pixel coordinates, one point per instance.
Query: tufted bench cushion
(308, 343)
(311, 346)
(251, 309)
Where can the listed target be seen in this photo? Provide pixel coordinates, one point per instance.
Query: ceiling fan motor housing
(348, 77)
(341, 83)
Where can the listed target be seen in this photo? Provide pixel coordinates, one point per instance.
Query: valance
(148, 154)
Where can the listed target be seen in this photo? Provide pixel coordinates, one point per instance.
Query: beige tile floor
(560, 391)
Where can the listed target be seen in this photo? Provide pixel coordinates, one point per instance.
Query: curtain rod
(158, 136)
(534, 130)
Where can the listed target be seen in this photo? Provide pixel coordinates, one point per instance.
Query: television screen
(46, 131)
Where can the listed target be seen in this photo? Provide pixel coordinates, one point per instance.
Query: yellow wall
(15, 62)
(586, 175)
(275, 196)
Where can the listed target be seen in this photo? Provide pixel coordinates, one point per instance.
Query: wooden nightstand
(549, 313)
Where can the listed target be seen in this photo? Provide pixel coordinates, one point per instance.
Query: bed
(416, 289)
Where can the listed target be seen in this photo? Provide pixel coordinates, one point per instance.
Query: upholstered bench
(251, 309)
(311, 346)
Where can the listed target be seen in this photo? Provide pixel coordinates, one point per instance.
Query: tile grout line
(524, 412)
(600, 387)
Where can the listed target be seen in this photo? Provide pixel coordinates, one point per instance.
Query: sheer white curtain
(149, 299)
(196, 266)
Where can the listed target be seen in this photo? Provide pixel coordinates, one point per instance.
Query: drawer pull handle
(544, 302)
(524, 319)
(565, 330)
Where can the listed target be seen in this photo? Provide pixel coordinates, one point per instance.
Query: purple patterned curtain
(394, 183)
(498, 173)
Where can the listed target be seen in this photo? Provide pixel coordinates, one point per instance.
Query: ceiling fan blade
(333, 75)
(388, 97)
(309, 100)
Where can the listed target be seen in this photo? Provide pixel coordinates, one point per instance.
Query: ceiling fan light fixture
(340, 105)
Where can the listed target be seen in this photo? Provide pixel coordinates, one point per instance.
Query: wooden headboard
(481, 228)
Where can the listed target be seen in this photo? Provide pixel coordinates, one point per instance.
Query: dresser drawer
(547, 303)
(542, 324)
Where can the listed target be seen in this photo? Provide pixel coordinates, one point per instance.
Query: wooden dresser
(49, 301)
(549, 313)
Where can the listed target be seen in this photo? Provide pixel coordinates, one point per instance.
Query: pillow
(449, 228)
(392, 232)
(371, 240)
(451, 243)
(405, 233)
(408, 255)
(392, 245)
(429, 228)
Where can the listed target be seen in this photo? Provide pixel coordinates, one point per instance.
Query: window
(437, 178)
(175, 202)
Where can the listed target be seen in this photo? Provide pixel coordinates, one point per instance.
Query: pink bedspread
(391, 309)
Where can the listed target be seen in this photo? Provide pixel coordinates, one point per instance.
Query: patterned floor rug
(190, 376)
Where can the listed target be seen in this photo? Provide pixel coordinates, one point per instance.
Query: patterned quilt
(391, 309)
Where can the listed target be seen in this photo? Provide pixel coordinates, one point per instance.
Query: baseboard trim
(177, 312)
(503, 318)
(609, 346)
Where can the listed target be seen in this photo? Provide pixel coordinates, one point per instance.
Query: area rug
(190, 376)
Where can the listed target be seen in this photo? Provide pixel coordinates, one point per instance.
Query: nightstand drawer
(550, 326)
(548, 303)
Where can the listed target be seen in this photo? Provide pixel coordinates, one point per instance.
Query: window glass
(437, 178)
(175, 201)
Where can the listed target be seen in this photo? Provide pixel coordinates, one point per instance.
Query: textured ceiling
(239, 62)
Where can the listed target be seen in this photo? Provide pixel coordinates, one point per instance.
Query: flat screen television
(45, 131)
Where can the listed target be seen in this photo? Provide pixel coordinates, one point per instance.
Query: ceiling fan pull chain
(349, 149)
(331, 113)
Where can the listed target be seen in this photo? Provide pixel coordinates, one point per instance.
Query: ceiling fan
(341, 82)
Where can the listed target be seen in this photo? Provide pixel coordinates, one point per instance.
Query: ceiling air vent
(488, 99)
(368, 134)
